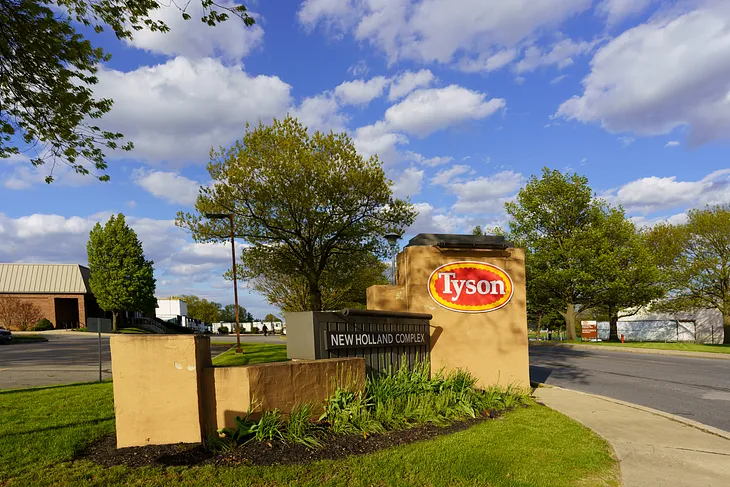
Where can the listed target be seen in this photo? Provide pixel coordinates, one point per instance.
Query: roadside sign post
(98, 328)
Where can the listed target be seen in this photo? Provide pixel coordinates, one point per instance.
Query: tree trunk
(726, 328)
(114, 320)
(539, 325)
(613, 318)
(315, 297)
(570, 316)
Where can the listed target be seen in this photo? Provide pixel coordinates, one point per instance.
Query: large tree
(228, 314)
(201, 309)
(121, 278)
(552, 218)
(300, 200)
(624, 269)
(695, 258)
(48, 69)
(343, 285)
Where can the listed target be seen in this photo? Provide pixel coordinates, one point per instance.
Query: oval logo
(470, 287)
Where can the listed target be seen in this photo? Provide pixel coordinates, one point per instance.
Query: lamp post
(392, 239)
(229, 216)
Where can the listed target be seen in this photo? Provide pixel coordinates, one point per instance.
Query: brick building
(60, 291)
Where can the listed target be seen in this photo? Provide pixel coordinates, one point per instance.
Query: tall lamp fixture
(392, 239)
(229, 216)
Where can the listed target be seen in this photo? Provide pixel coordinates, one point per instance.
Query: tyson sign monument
(474, 287)
(470, 287)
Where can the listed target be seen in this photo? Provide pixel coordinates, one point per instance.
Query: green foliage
(228, 314)
(48, 69)
(43, 325)
(121, 278)
(270, 317)
(626, 277)
(695, 260)
(300, 200)
(223, 330)
(342, 285)
(300, 428)
(200, 308)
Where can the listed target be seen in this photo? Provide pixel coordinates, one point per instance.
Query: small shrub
(254, 329)
(300, 428)
(223, 330)
(43, 325)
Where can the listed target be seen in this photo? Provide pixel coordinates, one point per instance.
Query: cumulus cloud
(408, 81)
(561, 54)
(230, 40)
(378, 139)
(439, 30)
(169, 186)
(178, 110)
(485, 194)
(654, 194)
(672, 143)
(667, 73)
(320, 112)
(17, 173)
(361, 92)
(617, 10)
(427, 111)
(427, 161)
(433, 220)
(408, 183)
(489, 61)
(442, 178)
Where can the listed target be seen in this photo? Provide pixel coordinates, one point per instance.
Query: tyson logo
(470, 287)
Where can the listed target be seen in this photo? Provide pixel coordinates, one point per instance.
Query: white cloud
(408, 81)
(230, 40)
(561, 54)
(427, 111)
(488, 62)
(442, 178)
(320, 112)
(617, 10)
(424, 161)
(178, 110)
(168, 186)
(378, 139)
(485, 195)
(653, 194)
(558, 79)
(408, 183)
(626, 140)
(667, 73)
(17, 173)
(361, 92)
(359, 69)
(644, 222)
(438, 30)
(432, 220)
(672, 143)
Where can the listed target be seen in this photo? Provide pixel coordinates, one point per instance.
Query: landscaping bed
(105, 452)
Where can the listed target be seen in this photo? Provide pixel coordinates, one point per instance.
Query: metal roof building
(60, 292)
(44, 278)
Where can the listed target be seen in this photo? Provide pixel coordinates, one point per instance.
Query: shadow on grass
(90, 422)
(56, 386)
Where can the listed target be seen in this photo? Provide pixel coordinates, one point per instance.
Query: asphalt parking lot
(70, 357)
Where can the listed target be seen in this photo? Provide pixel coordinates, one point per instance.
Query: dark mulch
(105, 452)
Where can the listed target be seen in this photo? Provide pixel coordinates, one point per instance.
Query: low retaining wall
(167, 391)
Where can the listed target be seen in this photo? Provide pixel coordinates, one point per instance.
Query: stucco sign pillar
(474, 286)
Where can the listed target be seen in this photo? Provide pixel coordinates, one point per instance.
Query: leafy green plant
(223, 330)
(299, 427)
(42, 325)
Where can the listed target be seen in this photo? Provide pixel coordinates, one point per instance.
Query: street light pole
(229, 216)
(235, 287)
(392, 239)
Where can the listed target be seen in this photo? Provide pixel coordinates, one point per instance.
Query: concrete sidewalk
(653, 448)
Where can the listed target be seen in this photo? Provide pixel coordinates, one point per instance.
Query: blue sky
(463, 100)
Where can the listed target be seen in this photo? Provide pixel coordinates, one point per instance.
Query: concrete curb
(647, 351)
(673, 417)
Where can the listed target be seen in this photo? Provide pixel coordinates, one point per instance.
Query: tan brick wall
(47, 306)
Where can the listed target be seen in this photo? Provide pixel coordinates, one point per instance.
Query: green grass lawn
(134, 331)
(686, 347)
(42, 430)
(253, 353)
(18, 339)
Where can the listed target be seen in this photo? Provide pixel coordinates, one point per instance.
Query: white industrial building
(699, 326)
(246, 326)
(176, 311)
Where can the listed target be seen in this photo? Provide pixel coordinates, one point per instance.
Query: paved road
(695, 388)
(74, 357)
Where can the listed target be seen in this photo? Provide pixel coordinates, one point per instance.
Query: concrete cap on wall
(458, 241)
